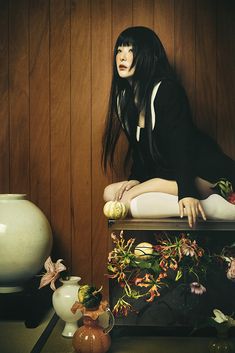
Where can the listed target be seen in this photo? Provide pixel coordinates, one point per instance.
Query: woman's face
(124, 60)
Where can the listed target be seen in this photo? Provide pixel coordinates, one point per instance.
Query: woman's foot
(216, 207)
(162, 205)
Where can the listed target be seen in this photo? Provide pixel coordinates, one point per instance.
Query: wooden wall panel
(205, 57)
(185, 46)
(101, 76)
(143, 13)
(39, 105)
(226, 76)
(60, 126)
(4, 102)
(164, 26)
(19, 96)
(120, 21)
(81, 138)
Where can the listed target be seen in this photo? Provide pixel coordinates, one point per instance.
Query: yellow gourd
(143, 251)
(115, 210)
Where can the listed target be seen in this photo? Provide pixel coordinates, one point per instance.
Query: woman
(172, 159)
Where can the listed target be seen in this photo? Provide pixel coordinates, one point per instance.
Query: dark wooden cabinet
(169, 314)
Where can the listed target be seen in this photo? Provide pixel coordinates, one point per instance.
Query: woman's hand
(193, 209)
(126, 186)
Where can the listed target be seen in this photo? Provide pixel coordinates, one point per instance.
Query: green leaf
(155, 267)
(179, 275)
(143, 264)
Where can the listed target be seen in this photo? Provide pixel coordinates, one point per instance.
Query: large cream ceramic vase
(25, 241)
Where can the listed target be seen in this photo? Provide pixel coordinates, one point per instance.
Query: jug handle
(111, 321)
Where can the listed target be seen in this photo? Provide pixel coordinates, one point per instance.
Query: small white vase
(25, 241)
(63, 299)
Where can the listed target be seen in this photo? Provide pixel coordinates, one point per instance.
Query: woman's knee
(110, 191)
(204, 187)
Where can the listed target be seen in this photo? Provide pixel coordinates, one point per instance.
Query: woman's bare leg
(155, 185)
(163, 201)
(204, 187)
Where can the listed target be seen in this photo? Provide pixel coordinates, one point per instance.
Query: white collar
(153, 96)
(153, 115)
(154, 93)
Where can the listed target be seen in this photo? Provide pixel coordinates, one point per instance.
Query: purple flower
(197, 288)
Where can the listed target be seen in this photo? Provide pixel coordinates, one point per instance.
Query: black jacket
(180, 151)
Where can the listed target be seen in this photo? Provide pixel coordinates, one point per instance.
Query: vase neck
(70, 280)
(88, 321)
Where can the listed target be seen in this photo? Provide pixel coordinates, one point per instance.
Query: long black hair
(151, 66)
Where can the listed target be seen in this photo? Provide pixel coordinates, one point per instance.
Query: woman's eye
(131, 50)
(119, 51)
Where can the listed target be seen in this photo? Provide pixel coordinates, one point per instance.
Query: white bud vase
(25, 241)
(63, 299)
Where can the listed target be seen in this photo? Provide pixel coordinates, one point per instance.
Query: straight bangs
(127, 41)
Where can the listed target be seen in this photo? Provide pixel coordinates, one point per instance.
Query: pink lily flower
(52, 272)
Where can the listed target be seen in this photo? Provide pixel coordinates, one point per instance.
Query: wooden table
(169, 224)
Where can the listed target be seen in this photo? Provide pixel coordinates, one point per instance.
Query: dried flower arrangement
(143, 270)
